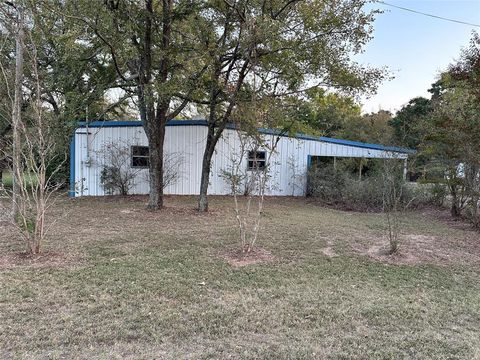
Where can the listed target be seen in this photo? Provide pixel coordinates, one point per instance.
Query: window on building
(140, 156)
(256, 160)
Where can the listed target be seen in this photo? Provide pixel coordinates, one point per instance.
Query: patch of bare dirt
(328, 251)
(42, 260)
(237, 258)
(445, 217)
(417, 249)
(170, 211)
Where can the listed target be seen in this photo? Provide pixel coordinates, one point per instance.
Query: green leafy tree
(268, 50)
(406, 131)
(369, 128)
(75, 76)
(153, 46)
(373, 128)
(328, 113)
(452, 137)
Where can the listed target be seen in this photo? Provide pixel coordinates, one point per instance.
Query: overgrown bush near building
(364, 194)
(340, 186)
(117, 176)
(326, 183)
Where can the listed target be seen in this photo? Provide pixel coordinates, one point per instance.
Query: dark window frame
(143, 157)
(256, 162)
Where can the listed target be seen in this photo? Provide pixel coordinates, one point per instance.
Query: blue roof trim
(101, 124)
(340, 141)
(104, 124)
(368, 145)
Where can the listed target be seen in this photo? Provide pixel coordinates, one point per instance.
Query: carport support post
(405, 163)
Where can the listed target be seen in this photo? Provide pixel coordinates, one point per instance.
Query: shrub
(117, 176)
(116, 180)
(339, 187)
(363, 194)
(425, 194)
(325, 183)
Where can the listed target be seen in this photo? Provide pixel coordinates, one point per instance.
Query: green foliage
(74, 71)
(113, 180)
(327, 112)
(326, 183)
(373, 128)
(406, 123)
(340, 187)
(408, 131)
(30, 180)
(256, 50)
(337, 115)
(452, 131)
(439, 193)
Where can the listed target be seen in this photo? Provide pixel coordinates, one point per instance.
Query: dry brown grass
(237, 258)
(118, 281)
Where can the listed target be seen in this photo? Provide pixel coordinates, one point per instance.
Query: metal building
(185, 144)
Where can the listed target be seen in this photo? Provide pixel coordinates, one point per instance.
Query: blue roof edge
(101, 124)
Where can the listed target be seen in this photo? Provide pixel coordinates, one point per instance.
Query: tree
(33, 142)
(372, 128)
(452, 134)
(75, 76)
(290, 46)
(406, 130)
(153, 48)
(17, 123)
(328, 113)
(392, 195)
(252, 184)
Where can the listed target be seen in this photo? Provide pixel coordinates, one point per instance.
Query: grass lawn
(117, 281)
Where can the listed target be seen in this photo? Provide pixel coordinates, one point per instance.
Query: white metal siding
(189, 142)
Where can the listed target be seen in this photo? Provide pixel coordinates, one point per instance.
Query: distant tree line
(444, 129)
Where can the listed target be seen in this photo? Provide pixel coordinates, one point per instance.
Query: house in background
(184, 146)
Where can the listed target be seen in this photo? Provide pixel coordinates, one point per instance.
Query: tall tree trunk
(206, 167)
(154, 125)
(217, 124)
(16, 113)
(153, 110)
(157, 120)
(156, 139)
(454, 210)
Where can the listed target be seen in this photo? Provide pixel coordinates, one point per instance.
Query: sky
(415, 48)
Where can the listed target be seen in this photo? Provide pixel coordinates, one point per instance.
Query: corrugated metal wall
(288, 165)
